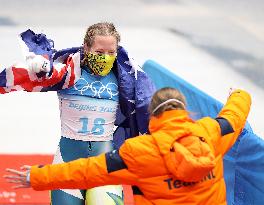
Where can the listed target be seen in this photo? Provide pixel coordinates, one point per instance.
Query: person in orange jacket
(180, 162)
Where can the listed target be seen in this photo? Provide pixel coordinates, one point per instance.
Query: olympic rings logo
(97, 88)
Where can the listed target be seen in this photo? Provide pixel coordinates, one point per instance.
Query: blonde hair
(100, 29)
(165, 94)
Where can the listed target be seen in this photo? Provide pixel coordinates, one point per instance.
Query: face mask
(100, 64)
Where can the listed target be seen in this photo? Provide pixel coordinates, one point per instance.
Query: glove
(231, 90)
(234, 90)
(37, 63)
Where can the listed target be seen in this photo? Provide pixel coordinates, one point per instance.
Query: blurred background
(212, 44)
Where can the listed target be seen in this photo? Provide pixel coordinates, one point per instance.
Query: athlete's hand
(38, 63)
(19, 178)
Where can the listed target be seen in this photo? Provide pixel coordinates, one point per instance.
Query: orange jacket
(157, 163)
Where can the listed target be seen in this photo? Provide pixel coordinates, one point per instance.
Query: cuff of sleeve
(28, 177)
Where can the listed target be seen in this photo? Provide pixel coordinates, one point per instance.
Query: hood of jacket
(184, 145)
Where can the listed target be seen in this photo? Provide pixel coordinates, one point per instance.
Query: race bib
(87, 119)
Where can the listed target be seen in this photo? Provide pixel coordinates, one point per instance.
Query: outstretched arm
(235, 111)
(229, 123)
(232, 119)
(85, 173)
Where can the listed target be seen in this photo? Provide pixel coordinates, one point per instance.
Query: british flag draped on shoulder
(135, 87)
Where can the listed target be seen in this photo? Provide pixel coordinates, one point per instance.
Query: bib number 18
(97, 128)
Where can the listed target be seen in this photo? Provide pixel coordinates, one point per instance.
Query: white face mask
(167, 101)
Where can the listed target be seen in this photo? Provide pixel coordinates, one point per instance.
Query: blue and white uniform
(87, 112)
(88, 109)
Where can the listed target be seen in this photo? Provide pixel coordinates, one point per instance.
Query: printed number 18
(97, 128)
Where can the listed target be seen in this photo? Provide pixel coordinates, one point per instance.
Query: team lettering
(175, 183)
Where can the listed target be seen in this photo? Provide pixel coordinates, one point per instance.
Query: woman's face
(102, 45)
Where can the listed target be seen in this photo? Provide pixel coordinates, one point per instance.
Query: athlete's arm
(29, 78)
